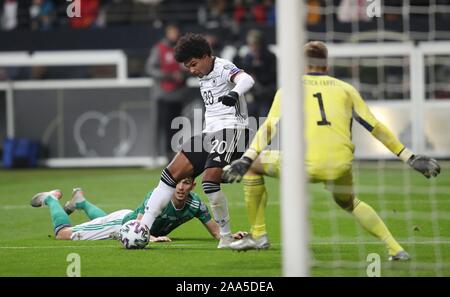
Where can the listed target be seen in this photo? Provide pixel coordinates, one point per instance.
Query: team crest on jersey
(214, 83)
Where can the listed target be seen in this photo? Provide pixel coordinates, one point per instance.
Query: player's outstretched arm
(237, 169)
(213, 229)
(159, 239)
(425, 165)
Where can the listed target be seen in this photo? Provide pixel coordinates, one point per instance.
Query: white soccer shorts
(100, 228)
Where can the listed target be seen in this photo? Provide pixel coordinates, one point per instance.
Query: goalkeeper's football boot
(77, 197)
(400, 256)
(225, 241)
(39, 198)
(250, 243)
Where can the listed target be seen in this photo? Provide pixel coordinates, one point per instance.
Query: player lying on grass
(184, 206)
(330, 107)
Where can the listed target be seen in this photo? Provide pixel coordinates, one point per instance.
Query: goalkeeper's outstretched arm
(361, 113)
(267, 130)
(237, 169)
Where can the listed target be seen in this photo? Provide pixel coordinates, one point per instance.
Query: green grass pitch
(416, 210)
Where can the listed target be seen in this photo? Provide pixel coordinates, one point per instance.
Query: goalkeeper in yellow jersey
(330, 107)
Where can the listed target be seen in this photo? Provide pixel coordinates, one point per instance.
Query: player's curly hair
(191, 46)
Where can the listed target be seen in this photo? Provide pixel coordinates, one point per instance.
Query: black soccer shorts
(218, 149)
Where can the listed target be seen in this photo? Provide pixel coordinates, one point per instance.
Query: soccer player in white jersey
(224, 138)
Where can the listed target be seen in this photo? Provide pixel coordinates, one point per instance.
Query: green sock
(91, 210)
(59, 216)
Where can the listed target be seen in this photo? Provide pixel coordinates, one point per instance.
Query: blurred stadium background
(75, 92)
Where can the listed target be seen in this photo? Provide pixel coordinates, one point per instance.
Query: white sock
(219, 206)
(158, 201)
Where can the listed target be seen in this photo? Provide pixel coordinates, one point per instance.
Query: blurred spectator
(259, 12)
(42, 14)
(263, 12)
(270, 12)
(89, 10)
(239, 11)
(352, 10)
(216, 44)
(147, 11)
(392, 17)
(9, 15)
(170, 90)
(214, 15)
(314, 15)
(261, 64)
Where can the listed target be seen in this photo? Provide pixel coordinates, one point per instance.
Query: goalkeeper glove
(230, 99)
(234, 172)
(425, 165)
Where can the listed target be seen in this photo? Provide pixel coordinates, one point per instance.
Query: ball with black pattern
(134, 235)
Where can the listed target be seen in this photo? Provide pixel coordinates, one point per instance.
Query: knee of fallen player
(64, 234)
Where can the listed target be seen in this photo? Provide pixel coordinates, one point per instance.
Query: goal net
(400, 63)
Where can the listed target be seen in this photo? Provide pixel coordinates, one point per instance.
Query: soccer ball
(134, 235)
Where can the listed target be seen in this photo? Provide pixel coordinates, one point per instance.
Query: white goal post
(294, 200)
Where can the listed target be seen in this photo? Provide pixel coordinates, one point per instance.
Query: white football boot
(38, 199)
(225, 241)
(250, 243)
(77, 197)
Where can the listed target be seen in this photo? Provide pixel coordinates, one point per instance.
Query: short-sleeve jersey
(170, 218)
(214, 85)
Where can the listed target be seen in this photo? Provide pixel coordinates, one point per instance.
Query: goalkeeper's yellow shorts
(341, 187)
(271, 162)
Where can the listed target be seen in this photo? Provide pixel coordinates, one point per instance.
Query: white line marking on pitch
(207, 245)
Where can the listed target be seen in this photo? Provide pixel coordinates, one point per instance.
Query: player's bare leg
(179, 168)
